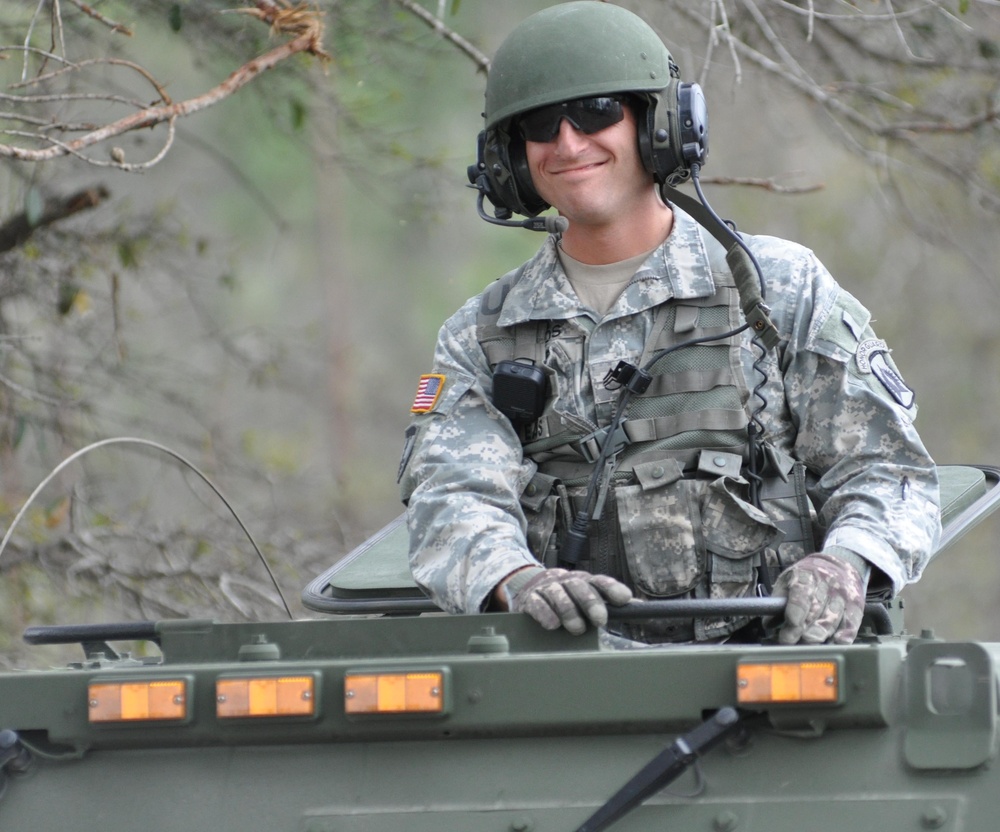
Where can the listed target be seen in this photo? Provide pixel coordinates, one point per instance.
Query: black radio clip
(520, 390)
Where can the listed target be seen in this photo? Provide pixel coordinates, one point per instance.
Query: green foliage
(299, 112)
(988, 49)
(990, 165)
(69, 292)
(33, 206)
(278, 454)
(128, 253)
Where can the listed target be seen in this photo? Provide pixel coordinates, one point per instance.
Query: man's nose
(569, 139)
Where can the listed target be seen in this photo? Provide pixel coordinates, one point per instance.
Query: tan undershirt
(599, 286)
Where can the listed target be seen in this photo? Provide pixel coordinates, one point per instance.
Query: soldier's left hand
(826, 600)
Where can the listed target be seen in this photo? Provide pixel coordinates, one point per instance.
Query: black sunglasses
(588, 115)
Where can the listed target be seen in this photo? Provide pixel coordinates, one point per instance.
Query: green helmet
(577, 50)
(574, 50)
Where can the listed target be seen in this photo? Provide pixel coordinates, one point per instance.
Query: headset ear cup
(674, 134)
(645, 114)
(660, 136)
(505, 166)
(531, 202)
(493, 176)
(693, 122)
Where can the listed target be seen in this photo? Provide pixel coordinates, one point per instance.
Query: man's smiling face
(592, 179)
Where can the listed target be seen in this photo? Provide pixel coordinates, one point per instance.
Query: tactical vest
(674, 520)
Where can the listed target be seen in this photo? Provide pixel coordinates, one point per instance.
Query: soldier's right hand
(563, 598)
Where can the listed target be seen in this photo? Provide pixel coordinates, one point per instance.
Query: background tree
(256, 279)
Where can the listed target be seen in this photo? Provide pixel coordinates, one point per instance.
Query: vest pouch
(734, 531)
(661, 528)
(679, 532)
(540, 503)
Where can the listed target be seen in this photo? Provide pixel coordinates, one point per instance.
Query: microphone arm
(549, 224)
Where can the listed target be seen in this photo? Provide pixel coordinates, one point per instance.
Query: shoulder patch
(872, 358)
(891, 380)
(428, 392)
(867, 350)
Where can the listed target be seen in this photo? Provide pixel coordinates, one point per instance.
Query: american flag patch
(428, 391)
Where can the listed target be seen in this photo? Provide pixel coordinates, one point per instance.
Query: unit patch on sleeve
(871, 358)
(428, 392)
(866, 349)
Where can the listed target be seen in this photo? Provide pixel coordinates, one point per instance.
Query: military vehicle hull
(387, 716)
(536, 731)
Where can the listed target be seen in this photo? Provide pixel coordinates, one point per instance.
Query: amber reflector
(394, 693)
(126, 702)
(265, 696)
(787, 682)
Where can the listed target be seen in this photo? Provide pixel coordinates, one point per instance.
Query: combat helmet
(576, 50)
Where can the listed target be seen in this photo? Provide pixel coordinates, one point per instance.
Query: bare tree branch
(865, 111)
(302, 21)
(20, 227)
(92, 12)
(764, 184)
(480, 59)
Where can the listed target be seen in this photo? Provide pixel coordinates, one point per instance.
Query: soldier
(601, 424)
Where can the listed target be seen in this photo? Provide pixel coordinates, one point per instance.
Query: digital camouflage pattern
(463, 472)
(826, 601)
(666, 528)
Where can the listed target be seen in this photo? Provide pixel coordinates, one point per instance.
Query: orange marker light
(394, 693)
(768, 682)
(137, 701)
(265, 696)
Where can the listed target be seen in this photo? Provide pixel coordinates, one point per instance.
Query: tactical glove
(826, 599)
(559, 597)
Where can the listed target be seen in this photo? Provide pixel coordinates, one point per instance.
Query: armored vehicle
(381, 714)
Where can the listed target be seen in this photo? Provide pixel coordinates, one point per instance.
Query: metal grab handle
(724, 607)
(78, 633)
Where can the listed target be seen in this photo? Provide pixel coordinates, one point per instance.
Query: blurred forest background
(252, 277)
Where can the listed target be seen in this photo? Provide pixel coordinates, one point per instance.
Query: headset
(673, 135)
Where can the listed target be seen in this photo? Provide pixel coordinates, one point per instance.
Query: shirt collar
(677, 269)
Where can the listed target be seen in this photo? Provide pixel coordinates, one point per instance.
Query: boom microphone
(550, 224)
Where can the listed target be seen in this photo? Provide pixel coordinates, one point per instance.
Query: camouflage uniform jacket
(835, 402)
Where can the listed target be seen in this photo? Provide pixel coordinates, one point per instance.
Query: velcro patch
(428, 392)
(404, 460)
